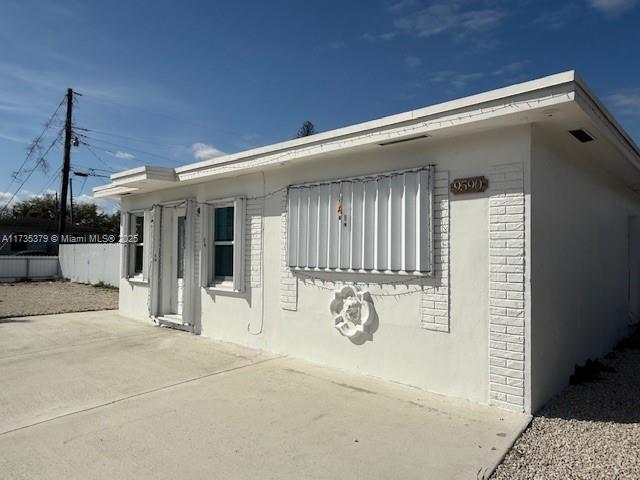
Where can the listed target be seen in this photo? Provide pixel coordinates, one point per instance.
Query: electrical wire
(36, 142)
(38, 163)
(98, 157)
(51, 180)
(125, 137)
(174, 119)
(84, 181)
(137, 150)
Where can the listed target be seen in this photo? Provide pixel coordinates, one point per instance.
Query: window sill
(224, 287)
(378, 273)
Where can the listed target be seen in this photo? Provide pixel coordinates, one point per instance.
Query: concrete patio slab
(94, 395)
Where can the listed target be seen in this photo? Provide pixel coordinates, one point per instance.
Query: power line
(98, 157)
(126, 147)
(84, 181)
(134, 139)
(51, 181)
(174, 119)
(36, 142)
(41, 160)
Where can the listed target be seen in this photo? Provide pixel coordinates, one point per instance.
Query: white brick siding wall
(506, 287)
(253, 243)
(435, 296)
(288, 282)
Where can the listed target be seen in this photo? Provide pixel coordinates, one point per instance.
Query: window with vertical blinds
(375, 224)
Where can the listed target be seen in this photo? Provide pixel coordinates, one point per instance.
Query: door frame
(189, 281)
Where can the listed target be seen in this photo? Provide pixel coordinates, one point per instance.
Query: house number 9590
(469, 185)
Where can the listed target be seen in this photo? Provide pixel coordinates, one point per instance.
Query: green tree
(45, 207)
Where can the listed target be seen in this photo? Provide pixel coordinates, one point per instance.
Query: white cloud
(379, 37)
(613, 7)
(458, 80)
(511, 68)
(442, 17)
(626, 102)
(22, 195)
(412, 62)
(555, 19)
(204, 151)
(104, 205)
(403, 5)
(124, 155)
(334, 45)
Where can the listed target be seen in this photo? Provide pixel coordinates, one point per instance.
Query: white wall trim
(253, 243)
(506, 287)
(435, 305)
(288, 281)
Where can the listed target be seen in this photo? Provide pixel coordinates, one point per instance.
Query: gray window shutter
(124, 245)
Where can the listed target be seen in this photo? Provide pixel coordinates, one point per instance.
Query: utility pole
(71, 199)
(66, 165)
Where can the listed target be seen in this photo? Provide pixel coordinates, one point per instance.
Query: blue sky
(167, 82)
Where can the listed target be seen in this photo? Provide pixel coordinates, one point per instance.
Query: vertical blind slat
(303, 226)
(395, 223)
(345, 227)
(369, 229)
(324, 202)
(410, 232)
(292, 226)
(334, 226)
(312, 237)
(357, 198)
(382, 217)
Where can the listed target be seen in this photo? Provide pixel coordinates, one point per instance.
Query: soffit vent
(582, 135)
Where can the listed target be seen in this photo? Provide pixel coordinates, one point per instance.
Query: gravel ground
(40, 298)
(590, 431)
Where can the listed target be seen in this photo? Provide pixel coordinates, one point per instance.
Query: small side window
(226, 245)
(136, 257)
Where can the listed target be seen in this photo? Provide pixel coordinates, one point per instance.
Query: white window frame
(303, 220)
(132, 275)
(236, 282)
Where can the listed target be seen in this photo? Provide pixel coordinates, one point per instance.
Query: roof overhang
(528, 102)
(136, 180)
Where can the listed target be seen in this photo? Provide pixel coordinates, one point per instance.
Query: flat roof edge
(390, 120)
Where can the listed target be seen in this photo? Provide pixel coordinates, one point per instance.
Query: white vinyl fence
(16, 268)
(90, 263)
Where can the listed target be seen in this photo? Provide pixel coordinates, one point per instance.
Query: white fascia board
(420, 126)
(147, 172)
(111, 191)
(135, 180)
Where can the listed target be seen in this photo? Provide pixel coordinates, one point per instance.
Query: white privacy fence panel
(91, 263)
(375, 224)
(14, 268)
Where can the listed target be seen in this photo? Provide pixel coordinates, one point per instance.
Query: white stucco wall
(453, 362)
(579, 259)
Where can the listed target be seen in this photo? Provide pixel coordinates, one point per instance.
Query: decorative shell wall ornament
(352, 311)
